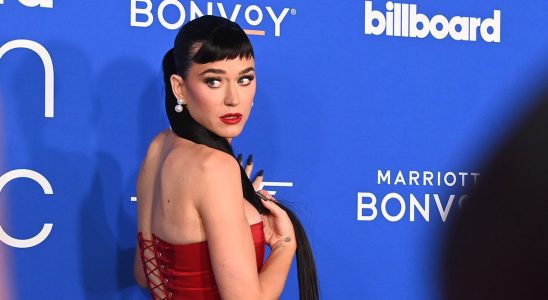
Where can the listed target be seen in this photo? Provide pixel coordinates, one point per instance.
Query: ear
(178, 87)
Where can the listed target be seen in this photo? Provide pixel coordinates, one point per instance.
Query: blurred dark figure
(497, 247)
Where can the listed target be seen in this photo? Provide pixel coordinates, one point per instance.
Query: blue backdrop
(352, 123)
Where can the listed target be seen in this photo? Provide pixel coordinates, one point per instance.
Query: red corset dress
(185, 271)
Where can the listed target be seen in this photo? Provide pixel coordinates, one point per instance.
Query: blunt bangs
(224, 43)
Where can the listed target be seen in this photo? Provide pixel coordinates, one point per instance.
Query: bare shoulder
(153, 155)
(200, 164)
(155, 147)
(214, 162)
(146, 178)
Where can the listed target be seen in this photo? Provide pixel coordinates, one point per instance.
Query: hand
(248, 168)
(277, 227)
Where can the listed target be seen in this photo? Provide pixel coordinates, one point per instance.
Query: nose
(232, 98)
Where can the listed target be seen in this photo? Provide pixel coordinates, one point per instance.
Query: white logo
(253, 14)
(368, 204)
(48, 113)
(414, 206)
(275, 184)
(403, 20)
(46, 229)
(35, 3)
(48, 68)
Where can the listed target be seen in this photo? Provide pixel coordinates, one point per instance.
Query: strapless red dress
(185, 271)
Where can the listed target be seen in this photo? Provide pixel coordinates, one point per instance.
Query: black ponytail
(306, 267)
(221, 39)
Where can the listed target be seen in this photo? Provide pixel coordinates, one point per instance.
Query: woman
(202, 228)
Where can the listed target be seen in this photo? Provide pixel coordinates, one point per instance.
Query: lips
(231, 118)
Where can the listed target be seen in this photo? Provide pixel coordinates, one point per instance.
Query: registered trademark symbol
(293, 11)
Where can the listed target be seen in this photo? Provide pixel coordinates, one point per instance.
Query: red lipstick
(231, 118)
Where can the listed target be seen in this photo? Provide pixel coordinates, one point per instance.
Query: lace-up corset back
(185, 271)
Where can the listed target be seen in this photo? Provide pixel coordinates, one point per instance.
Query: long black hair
(208, 39)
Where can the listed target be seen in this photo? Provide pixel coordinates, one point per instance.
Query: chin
(230, 132)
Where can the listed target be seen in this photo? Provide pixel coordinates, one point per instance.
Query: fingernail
(261, 172)
(249, 160)
(239, 158)
(262, 196)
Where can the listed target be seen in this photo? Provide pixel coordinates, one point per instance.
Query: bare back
(166, 198)
(188, 193)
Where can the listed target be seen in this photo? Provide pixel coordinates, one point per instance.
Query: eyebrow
(246, 70)
(220, 71)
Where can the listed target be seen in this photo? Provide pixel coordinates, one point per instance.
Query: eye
(213, 82)
(246, 80)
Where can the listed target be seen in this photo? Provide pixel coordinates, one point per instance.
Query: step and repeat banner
(372, 119)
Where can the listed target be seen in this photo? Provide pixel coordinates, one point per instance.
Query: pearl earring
(179, 107)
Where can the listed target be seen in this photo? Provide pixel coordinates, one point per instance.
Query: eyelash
(249, 77)
(211, 79)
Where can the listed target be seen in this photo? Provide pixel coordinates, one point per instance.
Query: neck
(186, 127)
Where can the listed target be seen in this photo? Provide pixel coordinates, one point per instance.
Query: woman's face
(218, 95)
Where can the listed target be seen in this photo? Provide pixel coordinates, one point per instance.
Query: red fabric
(185, 271)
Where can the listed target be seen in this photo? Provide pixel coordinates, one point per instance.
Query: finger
(266, 194)
(249, 165)
(274, 208)
(258, 180)
(239, 158)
